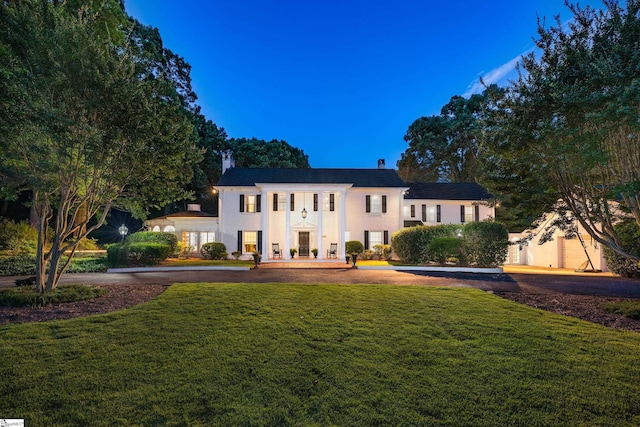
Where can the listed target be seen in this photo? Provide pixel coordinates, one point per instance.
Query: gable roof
(242, 177)
(187, 214)
(448, 191)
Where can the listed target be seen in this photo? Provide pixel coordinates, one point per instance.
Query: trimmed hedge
(137, 254)
(629, 234)
(486, 243)
(412, 244)
(156, 237)
(354, 247)
(481, 243)
(443, 249)
(213, 250)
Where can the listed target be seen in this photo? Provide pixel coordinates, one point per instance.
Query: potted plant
(315, 252)
(257, 257)
(293, 252)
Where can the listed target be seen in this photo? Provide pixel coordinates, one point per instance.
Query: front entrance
(303, 241)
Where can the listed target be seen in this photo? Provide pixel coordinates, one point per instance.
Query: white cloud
(494, 76)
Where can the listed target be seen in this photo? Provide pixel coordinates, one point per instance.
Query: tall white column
(287, 227)
(343, 222)
(264, 213)
(320, 209)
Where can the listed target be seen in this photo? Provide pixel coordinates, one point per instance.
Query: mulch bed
(119, 297)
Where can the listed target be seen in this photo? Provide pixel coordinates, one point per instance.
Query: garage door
(573, 255)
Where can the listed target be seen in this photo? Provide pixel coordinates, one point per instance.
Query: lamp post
(123, 230)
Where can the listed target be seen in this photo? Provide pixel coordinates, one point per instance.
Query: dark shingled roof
(448, 191)
(242, 177)
(188, 214)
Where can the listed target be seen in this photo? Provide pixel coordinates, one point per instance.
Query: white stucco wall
(358, 220)
(449, 210)
(554, 253)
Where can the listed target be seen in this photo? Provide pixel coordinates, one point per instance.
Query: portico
(303, 217)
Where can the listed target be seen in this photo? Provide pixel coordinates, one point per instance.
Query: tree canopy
(87, 123)
(568, 128)
(444, 147)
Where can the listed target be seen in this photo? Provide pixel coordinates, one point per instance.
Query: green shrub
(354, 247)
(213, 250)
(88, 244)
(156, 237)
(17, 237)
(27, 297)
(486, 243)
(18, 265)
(629, 234)
(137, 254)
(443, 249)
(412, 244)
(88, 265)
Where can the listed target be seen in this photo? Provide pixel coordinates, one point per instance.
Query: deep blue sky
(341, 80)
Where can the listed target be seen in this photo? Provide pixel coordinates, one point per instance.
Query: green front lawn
(284, 354)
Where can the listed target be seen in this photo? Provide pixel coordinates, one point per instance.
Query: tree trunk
(41, 210)
(53, 276)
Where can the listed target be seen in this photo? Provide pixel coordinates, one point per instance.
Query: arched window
(156, 228)
(169, 229)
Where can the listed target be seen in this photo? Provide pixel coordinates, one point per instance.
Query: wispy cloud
(494, 76)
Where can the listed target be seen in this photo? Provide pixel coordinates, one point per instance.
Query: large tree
(267, 154)
(444, 147)
(87, 124)
(568, 128)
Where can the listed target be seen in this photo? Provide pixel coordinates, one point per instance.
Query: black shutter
(384, 204)
(424, 213)
(462, 214)
(275, 202)
(386, 237)
(239, 241)
(438, 213)
(367, 200)
(242, 203)
(366, 239)
(332, 202)
(477, 213)
(293, 202)
(259, 247)
(315, 202)
(258, 203)
(413, 211)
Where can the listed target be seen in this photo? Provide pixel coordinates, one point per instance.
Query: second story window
(376, 203)
(250, 203)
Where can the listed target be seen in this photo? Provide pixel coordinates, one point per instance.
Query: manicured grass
(284, 354)
(629, 309)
